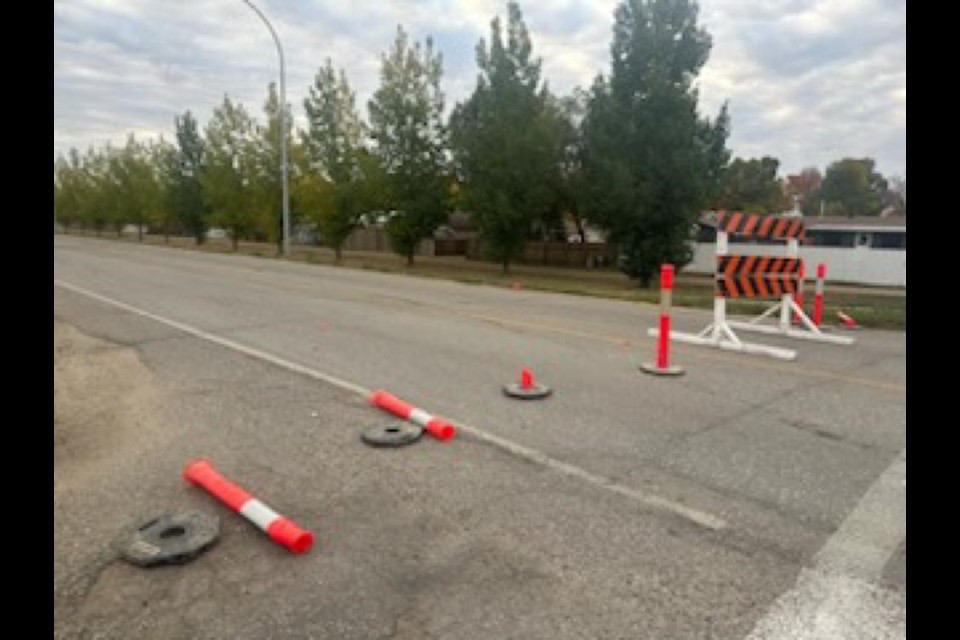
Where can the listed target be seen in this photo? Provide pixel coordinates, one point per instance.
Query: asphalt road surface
(750, 498)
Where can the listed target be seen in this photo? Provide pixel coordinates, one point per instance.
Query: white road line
(518, 450)
(838, 598)
(230, 344)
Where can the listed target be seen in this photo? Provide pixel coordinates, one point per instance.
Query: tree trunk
(506, 267)
(410, 259)
(235, 239)
(337, 254)
(140, 232)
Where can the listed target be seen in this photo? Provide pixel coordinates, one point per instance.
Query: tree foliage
(185, 190)
(344, 177)
(650, 161)
(136, 185)
(852, 187)
(896, 198)
(231, 169)
(267, 182)
(505, 140)
(752, 185)
(567, 114)
(410, 142)
(632, 155)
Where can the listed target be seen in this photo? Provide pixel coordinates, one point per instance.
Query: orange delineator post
(437, 427)
(847, 320)
(666, 295)
(280, 529)
(818, 295)
(799, 295)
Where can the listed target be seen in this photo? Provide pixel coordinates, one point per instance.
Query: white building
(865, 250)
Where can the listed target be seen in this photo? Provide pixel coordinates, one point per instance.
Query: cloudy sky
(808, 81)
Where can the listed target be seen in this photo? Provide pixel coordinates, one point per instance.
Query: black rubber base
(535, 392)
(654, 370)
(171, 539)
(392, 434)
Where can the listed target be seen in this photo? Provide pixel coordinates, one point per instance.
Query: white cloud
(808, 81)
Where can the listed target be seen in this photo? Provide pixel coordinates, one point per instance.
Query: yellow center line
(536, 326)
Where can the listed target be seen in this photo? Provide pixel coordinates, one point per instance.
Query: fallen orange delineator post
(847, 321)
(280, 529)
(437, 427)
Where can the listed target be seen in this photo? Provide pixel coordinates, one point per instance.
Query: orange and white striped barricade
(756, 276)
(791, 230)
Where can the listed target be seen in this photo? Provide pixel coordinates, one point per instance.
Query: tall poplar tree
(650, 161)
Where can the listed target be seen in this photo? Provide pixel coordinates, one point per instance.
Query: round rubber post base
(393, 434)
(170, 539)
(652, 369)
(536, 392)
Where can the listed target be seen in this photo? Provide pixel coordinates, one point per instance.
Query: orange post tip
(295, 538)
(440, 429)
(194, 467)
(526, 378)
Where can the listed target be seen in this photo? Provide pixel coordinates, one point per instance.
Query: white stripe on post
(420, 417)
(259, 513)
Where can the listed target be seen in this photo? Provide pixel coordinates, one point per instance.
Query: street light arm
(283, 129)
(273, 33)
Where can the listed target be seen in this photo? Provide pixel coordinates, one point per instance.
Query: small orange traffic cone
(526, 378)
(847, 321)
(527, 389)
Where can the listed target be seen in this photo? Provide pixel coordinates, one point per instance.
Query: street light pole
(283, 130)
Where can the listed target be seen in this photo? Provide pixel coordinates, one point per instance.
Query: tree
(165, 165)
(184, 169)
(137, 190)
(68, 189)
(98, 205)
(752, 185)
(714, 135)
(804, 188)
(896, 195)
(230, 169)
(851, 187)
(341, 190)
(650, 162)
(406, 120)
(267, 183)
(504, 138)
(567, 114)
